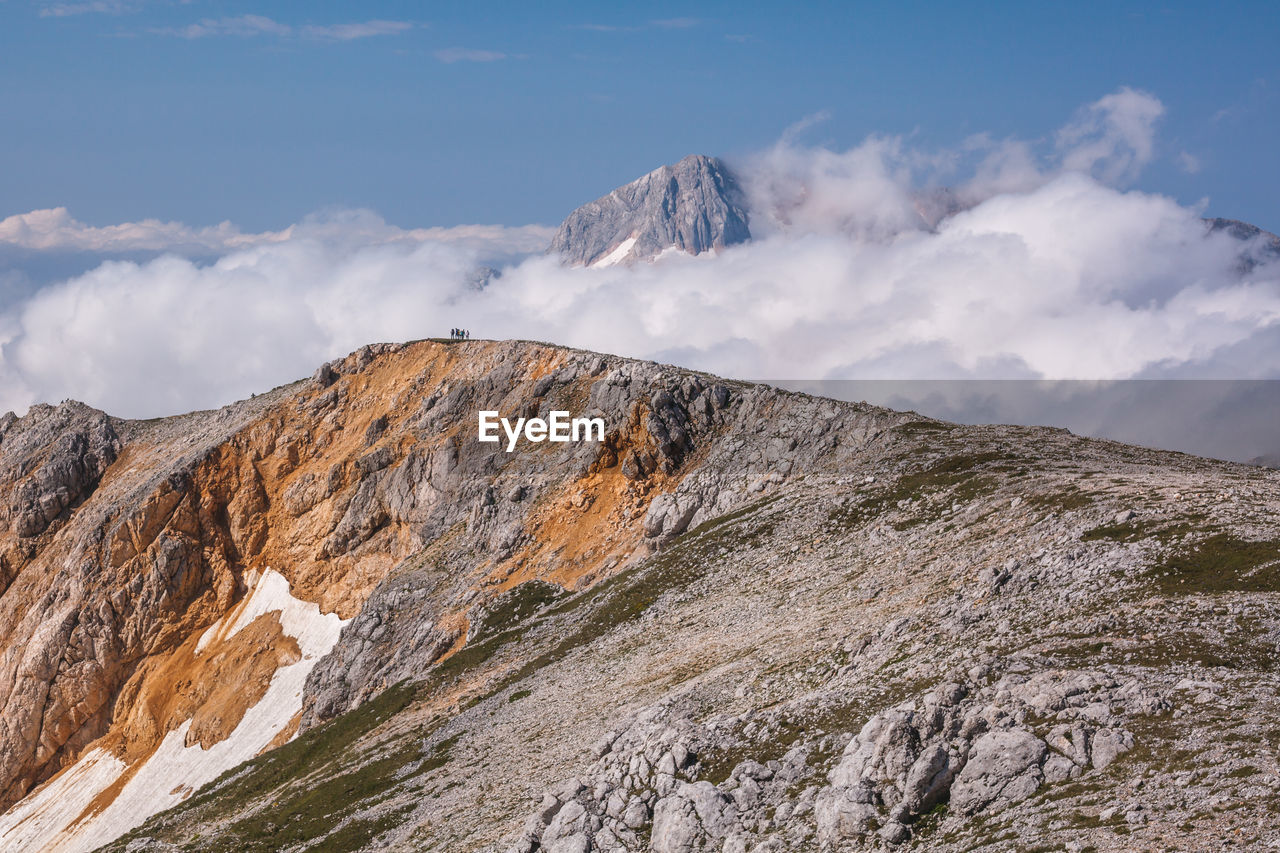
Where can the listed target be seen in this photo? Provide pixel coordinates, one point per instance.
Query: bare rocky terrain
(750, 620)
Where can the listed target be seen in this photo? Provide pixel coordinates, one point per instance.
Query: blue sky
(439, 114)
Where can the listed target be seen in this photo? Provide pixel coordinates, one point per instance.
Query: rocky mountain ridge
(329, 619)
(693, 206)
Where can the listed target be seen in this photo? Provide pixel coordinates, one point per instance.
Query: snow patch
(43, 820)
(617, 256)
(269, 591)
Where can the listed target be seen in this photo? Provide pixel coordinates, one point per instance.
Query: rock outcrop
(694, 206)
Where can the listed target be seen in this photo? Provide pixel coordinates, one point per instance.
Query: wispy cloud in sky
(675, 23)
(347, 32)
(100, 7)
(660, 24)
(1188, 162)
(240, 25)
(247, 26)
(450, 55)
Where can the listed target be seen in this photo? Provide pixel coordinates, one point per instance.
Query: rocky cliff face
(694, 206)
(330, 619)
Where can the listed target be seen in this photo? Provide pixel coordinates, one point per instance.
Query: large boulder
(1004, 767)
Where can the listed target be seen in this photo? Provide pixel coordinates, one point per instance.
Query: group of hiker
(460, 334)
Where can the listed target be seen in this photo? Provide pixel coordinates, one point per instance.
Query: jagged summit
(693, 206)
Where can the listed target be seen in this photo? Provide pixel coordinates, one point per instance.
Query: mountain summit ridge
(694, 206)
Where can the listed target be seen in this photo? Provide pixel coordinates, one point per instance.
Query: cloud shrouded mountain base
(1046, 267)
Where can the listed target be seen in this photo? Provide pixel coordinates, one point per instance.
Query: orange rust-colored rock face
(591, 523)
(121, 542)
(213, 688)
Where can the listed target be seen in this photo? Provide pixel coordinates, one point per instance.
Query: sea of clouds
(1054, 267)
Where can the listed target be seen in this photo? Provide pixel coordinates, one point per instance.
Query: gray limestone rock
(693, 818)
(695, 205)
(1003, 768)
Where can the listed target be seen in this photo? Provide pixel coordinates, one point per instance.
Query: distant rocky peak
(1259, 246)
(693, 206)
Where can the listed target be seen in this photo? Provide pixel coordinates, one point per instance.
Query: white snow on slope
(42, 821)
(617, 256)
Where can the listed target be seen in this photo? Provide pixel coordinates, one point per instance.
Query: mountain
(329, 618)
(694, 206)
(698, 205)
(1260, 246)
(1244, 231)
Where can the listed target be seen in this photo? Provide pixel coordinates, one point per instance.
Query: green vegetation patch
(1222, 563)
(768, 745)
(303, 813)
(356, 834)
(1063, 500)
(923, 427)
(957, 478)
(1162, 530)
(1177, 649)
(751, 534)
(516, 605)
(311, 810)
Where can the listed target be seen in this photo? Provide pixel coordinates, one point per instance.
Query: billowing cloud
(56, 229)
(1114, 137)
(1045, 267)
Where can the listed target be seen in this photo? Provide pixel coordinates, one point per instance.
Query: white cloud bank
(1048, 270)
(55, 230)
